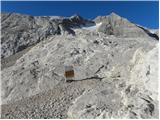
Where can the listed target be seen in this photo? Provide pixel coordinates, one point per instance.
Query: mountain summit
(113, 24)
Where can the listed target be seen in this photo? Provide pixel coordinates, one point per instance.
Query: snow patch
(90, 28)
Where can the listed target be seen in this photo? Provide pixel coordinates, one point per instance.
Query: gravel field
(51, 104)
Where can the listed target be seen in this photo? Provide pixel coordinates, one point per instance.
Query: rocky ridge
(21, 31)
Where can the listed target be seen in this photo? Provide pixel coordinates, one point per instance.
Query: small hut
(69, 73)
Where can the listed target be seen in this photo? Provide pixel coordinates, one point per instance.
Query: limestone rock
(121, 59)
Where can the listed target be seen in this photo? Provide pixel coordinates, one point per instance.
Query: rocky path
(51, 104)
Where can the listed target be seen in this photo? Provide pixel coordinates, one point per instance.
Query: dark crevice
(145, 100)
(149, 33)
(99, 69)
(93, 77)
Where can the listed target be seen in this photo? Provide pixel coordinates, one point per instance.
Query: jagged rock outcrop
(121, 59)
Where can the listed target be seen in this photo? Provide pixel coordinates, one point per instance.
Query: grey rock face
(21, 31)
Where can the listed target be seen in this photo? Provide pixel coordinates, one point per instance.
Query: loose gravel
(50, 104)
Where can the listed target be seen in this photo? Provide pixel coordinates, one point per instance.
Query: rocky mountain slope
(114, 61)
(21, 31)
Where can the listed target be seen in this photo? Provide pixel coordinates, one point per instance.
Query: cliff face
(114, 62)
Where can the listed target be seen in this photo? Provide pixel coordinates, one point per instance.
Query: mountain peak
(114, 14)
(76, 16)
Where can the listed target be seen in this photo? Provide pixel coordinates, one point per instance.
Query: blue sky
(144, 13)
